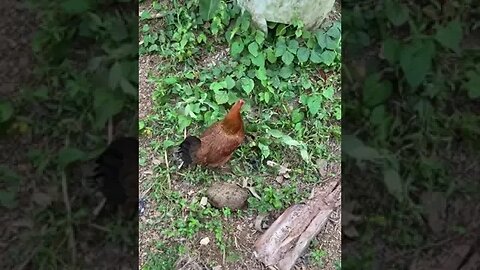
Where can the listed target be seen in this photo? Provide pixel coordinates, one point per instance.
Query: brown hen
(216, 145)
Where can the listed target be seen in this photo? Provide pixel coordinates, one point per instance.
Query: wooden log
(288, 237)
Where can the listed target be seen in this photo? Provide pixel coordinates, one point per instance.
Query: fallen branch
(288, 237)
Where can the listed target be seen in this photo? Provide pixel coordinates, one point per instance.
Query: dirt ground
(245, 233)
(17, 27)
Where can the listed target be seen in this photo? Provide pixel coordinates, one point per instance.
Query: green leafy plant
(210, 55)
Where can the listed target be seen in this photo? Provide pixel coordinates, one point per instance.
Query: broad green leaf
(286, 139)
(259, 37)
(396, 12)
(145, 14)
(183, 122)
(287, 58)
(245, 60)
(394, 184)
(315, 57)
(271, 55)
(75, 7)
(331, 43)
(292, 46)
(245, 21)
(313, 103)
(391, 50)
(355, 148)
(264, 149)
(321, 38)
(280, 48)
(221, 97)
(297, 116)
(232, 97)
(334, 31)
(128, 88)
(69, 155)
(258, 60)
(304, 154)
(416, 61)
(327, 57)
(450, 36)
(115, 75)
(376, 91)
(275, 133)
(168, 143)
(247, 84)
(266, 97)
(237, 47)
(473, 84)
(338, 113)
(306, 83)
(170, 80)
(106, 104)
(229, 82)
(253, 49)
(286, 72)
(6, 111)
(215, 86)
(303, 54)
(261, 74)
(328, 93)
(208, 8)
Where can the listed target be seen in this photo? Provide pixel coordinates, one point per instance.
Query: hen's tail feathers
(113, 167)
(187, 149)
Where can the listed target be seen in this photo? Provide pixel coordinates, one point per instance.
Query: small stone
(229, 195)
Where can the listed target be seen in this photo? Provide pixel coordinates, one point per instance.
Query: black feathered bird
(117, 167)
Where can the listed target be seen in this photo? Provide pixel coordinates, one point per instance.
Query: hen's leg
(223, 166)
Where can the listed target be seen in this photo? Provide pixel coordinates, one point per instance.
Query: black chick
(117, 167)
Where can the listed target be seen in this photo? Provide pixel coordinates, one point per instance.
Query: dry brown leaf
(259, 222)
(279, 179)
(322, 167)
(156, 161)
(254, 193)
(435, 205)
(203, 201)
(204, 241)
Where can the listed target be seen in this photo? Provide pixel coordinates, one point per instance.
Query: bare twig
(110, 130)
(66, 200)
(99, 207)
(98, 227)
(146, 191)
(168, 170)
(154, 16)
(29, 258)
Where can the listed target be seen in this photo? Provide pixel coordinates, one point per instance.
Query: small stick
(146, 191)
(29, 258)
(168, 170)
(66, 200)
(99, 207)
(110, 130)
(98, 227)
